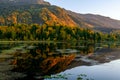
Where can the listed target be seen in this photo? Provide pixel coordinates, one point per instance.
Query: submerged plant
(66, 77)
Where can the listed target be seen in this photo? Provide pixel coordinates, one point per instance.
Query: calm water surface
(33, 61)
(106, 71)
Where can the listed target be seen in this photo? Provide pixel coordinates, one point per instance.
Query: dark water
(33, 61)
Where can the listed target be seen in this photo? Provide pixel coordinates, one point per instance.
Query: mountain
(98, 22)
(34, 13)
(43, 13)
(24, 2)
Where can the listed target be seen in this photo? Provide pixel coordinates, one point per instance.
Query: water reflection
(48, 58)
(6, 46)
(39, 59)
(106, 71)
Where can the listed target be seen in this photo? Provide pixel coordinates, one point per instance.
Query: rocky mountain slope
(43, 13)
(97, 21)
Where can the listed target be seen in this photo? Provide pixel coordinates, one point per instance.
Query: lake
(59, 61)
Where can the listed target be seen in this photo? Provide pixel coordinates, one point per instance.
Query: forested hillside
(40, 14)
(46, 14)
(42, 21)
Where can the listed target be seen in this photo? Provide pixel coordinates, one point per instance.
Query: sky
(108, 8)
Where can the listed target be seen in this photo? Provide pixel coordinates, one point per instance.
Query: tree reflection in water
(41, 60)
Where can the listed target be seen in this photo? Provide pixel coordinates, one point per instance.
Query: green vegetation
(66, 76)
(52, 33)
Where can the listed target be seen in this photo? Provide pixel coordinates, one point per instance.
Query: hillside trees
(52, 33)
